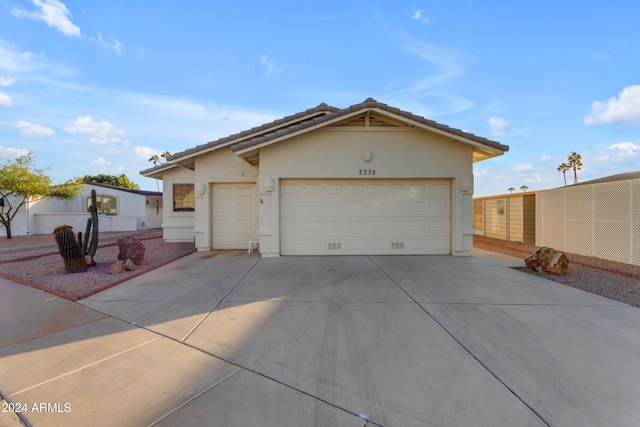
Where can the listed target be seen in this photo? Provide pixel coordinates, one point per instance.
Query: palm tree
(524, 188)
(511, 189)
(575, 163)
(155, 159)
(563, 167)
(165, 155)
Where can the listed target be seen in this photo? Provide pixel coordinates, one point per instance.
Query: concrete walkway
(229, 339)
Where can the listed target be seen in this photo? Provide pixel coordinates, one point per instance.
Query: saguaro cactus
(89, 249)
(69, 249)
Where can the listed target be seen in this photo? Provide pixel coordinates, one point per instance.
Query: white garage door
(234, 215)
(352, 217)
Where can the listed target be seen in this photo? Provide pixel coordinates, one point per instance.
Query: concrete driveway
(229, 339)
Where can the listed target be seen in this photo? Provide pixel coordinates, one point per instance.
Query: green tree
(165, 156)
(563, 167)
(116, 180)
(575, 163)
(154, 159)
(511, 189)
(524, 188)
(22, 182)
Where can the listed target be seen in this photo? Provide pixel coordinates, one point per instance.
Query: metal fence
(600, 220)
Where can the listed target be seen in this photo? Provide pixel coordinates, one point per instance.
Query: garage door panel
(234, 215)
(365, 217)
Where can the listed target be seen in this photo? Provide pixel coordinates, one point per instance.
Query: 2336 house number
(366, 171)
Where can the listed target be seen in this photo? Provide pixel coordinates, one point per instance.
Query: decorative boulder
(131, 248)
(129, 265)
(548, 260)
(117, 267)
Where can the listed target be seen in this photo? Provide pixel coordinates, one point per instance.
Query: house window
(183, 198)
(106, 205)
(500, 207)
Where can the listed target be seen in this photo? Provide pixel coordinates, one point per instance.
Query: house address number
(366, 172)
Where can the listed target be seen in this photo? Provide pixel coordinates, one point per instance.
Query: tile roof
(321, 109)
(369, 103)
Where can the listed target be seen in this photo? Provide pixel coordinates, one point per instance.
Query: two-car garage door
(370, 216)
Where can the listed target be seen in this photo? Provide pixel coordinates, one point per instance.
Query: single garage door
(234, 215)
(369, 216)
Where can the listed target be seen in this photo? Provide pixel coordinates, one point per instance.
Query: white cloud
(481, 172)
(418, 15)
(139, 51)
(110, 43)
(523, 168)
(269, 65)
(545, 158)
(143, 154)
(32, 130)
(498, 126)
(53, 12)
(5, 100)
(601, 54)
(6, 81)
(100, 133)
(624, 109)
(105, 166)
(12, 153)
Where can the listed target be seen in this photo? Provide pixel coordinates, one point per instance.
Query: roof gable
(368, 113)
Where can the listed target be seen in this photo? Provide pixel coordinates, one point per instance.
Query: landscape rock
(117, 267)
(548, 260)
(129, 265)
(131, 248)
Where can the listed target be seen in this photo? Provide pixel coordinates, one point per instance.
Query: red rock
(548, 260)
(117, 267)
(131, 248)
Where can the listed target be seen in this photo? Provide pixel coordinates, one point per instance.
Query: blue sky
(98, 87)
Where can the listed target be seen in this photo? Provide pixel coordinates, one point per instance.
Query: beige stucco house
(367, 179)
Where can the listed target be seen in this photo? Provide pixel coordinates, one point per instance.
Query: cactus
(69, 249)
(90, 249)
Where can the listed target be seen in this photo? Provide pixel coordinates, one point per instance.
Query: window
(183, 198)
(106, 205)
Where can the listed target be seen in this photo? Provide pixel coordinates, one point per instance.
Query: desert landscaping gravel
(610, 279)
(35, 261)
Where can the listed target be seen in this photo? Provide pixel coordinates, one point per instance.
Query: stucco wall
(218, 166)
(177, 226)
(43, 216)
(337, 153)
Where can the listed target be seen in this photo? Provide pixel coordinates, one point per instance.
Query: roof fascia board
(441, 132)
(250, 136)
(298, 132)
(403, 119)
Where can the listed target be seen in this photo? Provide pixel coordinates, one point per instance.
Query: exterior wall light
(465, 186)
(367, 156)
(269, 184)
(201, 189)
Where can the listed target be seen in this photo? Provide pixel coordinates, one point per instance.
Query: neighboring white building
(367, 179)
(119, 209)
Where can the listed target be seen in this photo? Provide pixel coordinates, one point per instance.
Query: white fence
(600, 220)
(45, 222)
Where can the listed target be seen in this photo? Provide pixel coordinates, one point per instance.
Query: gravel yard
(610, 279)
(35, 261)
